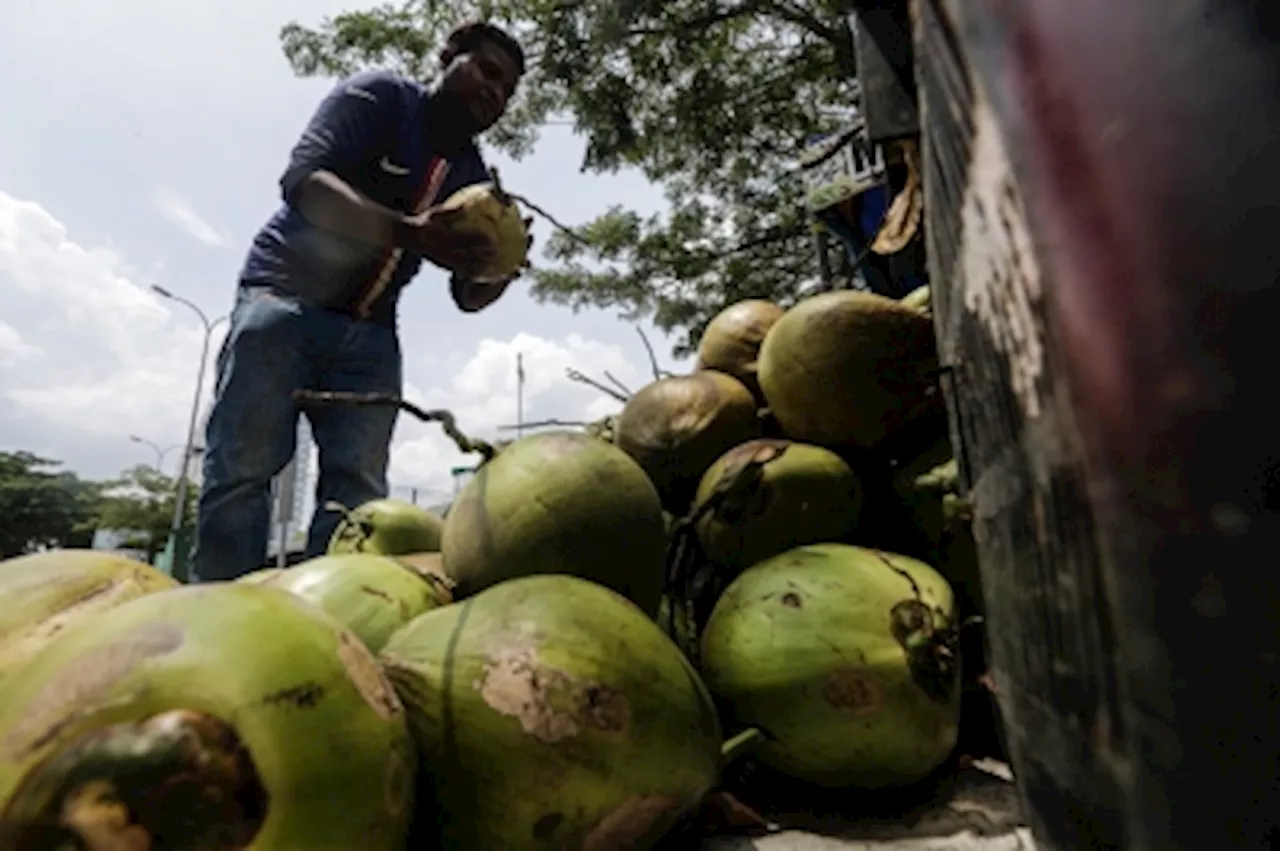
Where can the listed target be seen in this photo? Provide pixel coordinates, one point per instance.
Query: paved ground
(979, 811)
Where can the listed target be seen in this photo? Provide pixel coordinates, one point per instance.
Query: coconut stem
(691, 583)
(740, 745)
(328, 398)
(575, 375)
(658, 372)
(547, 424)
(181, 778)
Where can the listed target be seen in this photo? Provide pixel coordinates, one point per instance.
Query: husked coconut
(490, 212)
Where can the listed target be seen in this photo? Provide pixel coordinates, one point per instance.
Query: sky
(142, 142)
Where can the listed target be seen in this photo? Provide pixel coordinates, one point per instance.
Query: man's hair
(467, 37)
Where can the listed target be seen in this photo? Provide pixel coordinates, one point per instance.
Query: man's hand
(431, 235)
(472, 296)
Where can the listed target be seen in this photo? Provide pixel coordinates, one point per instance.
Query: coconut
(554, 714)
(676, 427)
(260, 577)
(210, 716)
(918, 299)
(386, 527)
(44, 593)
(490, 212)
(847, 369)
(558, 502)
(371, 595)
(942, 521)
(844, 657)
(429, 566)
(731, 341)
(802, 495)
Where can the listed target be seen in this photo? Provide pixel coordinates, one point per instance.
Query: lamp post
(160, 453)
(180, 501)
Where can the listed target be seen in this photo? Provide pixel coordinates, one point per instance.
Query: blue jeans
(275, 345)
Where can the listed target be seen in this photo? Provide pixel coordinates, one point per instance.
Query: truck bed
(976, 811)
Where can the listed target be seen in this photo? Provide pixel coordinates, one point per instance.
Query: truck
(1099, 196)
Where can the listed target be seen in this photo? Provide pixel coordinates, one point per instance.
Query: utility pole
(180, 501)
(519, 394)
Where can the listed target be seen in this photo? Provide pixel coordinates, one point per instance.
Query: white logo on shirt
(391, 168)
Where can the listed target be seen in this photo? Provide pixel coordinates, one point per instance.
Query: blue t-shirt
(371, 131)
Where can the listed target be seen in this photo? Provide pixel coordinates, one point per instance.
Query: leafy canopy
(711, 99)
(41, 505)
(141, 501)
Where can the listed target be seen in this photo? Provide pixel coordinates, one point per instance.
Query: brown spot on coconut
(848, 369)
(676, 427)
(731, 341)
(553, 713)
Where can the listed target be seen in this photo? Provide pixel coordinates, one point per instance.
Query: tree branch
(574, 375)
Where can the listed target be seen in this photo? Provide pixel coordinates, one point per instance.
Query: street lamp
(181, 499)
(160, 453)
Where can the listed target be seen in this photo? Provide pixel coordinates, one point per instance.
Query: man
(316, 303)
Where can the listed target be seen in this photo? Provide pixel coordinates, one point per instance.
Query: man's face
(484, 79)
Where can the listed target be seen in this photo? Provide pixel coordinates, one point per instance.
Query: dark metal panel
(1101, 219)
(882, 44)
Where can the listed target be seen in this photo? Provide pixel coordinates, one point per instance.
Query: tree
(141, 501)
(42, 506)
(712, 99)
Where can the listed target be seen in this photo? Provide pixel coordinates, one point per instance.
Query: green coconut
(260, 577)
(554, 714)
(845, 658)
(559, 502)
(801, 495)
(44, 593)
(731, 341)
(676, 427)
(371, 595)
(386, 527)
(211, 716)
(848, 369)
(918, 299)
(942, 521)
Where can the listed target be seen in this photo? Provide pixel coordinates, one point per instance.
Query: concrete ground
(979, 811)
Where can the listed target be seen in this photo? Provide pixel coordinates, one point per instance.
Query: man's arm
(345, 131)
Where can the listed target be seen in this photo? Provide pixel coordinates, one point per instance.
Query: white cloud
(178, 211)
(99, 357)
(481, 392)
(13, 349)
(98, 354)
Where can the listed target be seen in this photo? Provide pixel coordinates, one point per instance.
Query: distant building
(293, 495)
(114, 540)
